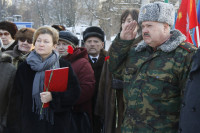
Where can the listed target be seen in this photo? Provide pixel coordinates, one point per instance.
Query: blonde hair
(46, 30)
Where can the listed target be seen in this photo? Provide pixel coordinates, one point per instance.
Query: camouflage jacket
(153, 82)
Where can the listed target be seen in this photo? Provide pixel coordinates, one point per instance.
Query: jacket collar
(171, 44)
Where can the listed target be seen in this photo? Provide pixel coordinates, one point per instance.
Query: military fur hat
(25, 33)
(93, 31)
(10, 27)
(158, 12)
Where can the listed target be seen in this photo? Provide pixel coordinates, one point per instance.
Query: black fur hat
(69, 37)
(93, 31)
(10, 27)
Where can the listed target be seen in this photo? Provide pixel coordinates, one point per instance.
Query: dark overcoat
(97, 67)
(190, 111)
(7, 74)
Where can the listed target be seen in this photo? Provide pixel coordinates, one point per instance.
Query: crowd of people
(147, 82)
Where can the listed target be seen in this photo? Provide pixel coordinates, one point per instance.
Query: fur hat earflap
(25, 33)
(158, 12)
(10, 27)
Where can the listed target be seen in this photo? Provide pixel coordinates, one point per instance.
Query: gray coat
(7, 74)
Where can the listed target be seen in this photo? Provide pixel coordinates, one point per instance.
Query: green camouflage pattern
(153, 85)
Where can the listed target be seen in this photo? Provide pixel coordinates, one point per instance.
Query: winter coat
(153, 82)
(17, 56)
(97, 67)
(85, 75)
(21, 119)
(110, 101)
(7, 72)
(190, 111)
(9, 48)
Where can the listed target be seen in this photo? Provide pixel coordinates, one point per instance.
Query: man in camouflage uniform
(154, 72)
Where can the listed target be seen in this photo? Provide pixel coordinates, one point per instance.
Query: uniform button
(193, 109)
(183, 104)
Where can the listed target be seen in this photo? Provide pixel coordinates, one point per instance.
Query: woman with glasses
(24, 46)
(7, 35)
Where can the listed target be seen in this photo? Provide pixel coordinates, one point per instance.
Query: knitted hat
(68, 37)
(93, 31)
(10, 27)
(158, 12)
(25, 33)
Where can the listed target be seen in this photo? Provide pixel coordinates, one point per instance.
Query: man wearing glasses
(24, 46)
(7, 34)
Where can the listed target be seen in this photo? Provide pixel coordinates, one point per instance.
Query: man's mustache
(146, 34)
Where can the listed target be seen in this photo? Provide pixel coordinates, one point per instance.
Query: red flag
(196, 31)
(186, 18)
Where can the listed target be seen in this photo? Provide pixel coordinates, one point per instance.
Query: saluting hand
(129, 31)
(45, 97)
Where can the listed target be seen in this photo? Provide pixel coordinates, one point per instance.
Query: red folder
(56, 81)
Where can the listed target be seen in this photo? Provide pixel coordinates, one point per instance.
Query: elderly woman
(7, 35)
(85, 74)
(25, 114)
(24, 39)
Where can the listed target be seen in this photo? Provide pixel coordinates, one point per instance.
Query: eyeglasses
(24, 39)
(5, 33)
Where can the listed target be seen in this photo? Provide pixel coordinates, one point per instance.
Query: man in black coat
(93, 38)
(190, 109)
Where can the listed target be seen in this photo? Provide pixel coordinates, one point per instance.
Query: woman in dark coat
(110, 103)
(82, 68)
(25, 115)
(190, 109)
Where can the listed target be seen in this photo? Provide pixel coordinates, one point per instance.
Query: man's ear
(166, 27)
(102, 44)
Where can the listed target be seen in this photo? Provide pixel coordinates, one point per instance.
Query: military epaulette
(188, 46)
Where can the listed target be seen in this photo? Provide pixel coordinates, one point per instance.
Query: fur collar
(171, 44)
(5, 57)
